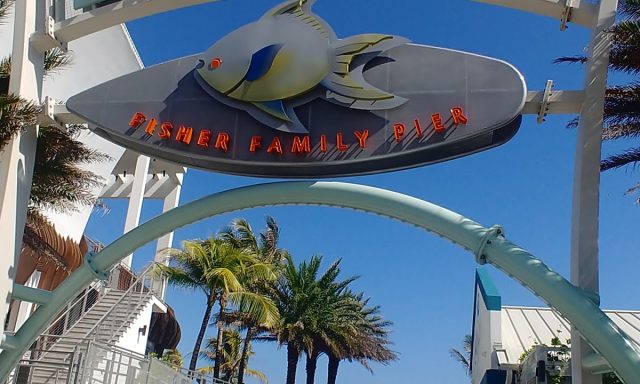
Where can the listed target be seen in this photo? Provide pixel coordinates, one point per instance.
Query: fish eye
(215, 63)
(200, 64)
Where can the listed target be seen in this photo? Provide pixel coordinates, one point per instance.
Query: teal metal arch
(489, 245)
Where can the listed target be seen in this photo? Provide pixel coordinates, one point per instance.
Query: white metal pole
(17, 159)
(136, 198)
(586, 189)
(171, 201)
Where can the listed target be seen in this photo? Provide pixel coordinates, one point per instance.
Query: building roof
(524, 327)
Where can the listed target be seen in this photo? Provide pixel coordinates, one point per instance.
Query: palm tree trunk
(244, 359)
(220, 341)
(203, 329)
(312, 364)
(332, 371)
(292, 363)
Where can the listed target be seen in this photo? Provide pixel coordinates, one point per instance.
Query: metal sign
(284, 97)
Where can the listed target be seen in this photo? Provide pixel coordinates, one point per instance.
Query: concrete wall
(132, 339)
(486, 327)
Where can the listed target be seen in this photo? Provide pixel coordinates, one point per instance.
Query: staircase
(100, 315)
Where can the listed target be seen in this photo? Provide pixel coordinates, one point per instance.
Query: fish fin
(346, 84)
(274, 108)
(301, 11)
(262, 61)
(366, 43)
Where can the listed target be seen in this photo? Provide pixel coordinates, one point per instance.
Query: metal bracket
(47, 115)
(491, 234)
(566, 14)
(546, 99)
(88, 261)
(44, 41)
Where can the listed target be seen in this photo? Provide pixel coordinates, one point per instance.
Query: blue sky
(422, 283)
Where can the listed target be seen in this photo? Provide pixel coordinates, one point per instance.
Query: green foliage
(232, 357)
(219, 269)
(622, 104)
(464, 356)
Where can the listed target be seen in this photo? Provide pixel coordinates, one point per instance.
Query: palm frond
(261, 376)
(15, 114)
(631, 156)
(56, 60)
(571, 60)
(60, 182)
(461, 358)
(630, 8)
(258, 307)
(5, 7)
(5, 67)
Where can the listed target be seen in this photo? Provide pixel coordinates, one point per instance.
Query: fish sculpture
(289, 52)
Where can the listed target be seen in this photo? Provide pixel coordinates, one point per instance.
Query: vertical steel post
(17, 158)
(586, 189)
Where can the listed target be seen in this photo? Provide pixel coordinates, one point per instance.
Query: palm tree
(365, 339)
(320, 315)
(622, 104)
(232, 357)
(241, 267)
(464, 356)
(240, 234)
(294, 293)
(217, 268)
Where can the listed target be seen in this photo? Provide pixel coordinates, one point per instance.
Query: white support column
(136, 198)
(16, 161)
(170, 201)
(586, 189)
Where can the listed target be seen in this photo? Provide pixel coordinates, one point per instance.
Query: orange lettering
(151, 126)
(256, 142)
(276, 146)
(222, 142)
(137, 120)
(458, 116)
(184, 134)
(165, 130)
(437, 122)
(398, 131)
(301, 145)
(204, 138)
(323, 143)
(362, 138)
(340, 144)
(416, 124)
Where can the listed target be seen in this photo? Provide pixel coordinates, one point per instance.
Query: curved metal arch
(488, 244)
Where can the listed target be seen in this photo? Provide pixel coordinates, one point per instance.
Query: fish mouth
(202, 63)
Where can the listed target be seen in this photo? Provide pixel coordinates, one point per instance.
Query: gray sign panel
(262, 103)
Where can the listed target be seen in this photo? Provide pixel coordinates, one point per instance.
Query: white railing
(120, 277)
(99, 363)
(138, 295)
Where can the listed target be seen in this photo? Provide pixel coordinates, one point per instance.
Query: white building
(515, 345)
(103, 334)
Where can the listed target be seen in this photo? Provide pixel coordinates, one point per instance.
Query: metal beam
(105, 17)
(559, 103)
(31, 295)
(582, 12)
(487, 244)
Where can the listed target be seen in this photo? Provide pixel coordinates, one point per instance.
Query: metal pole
(17, 158)
(586, 189)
